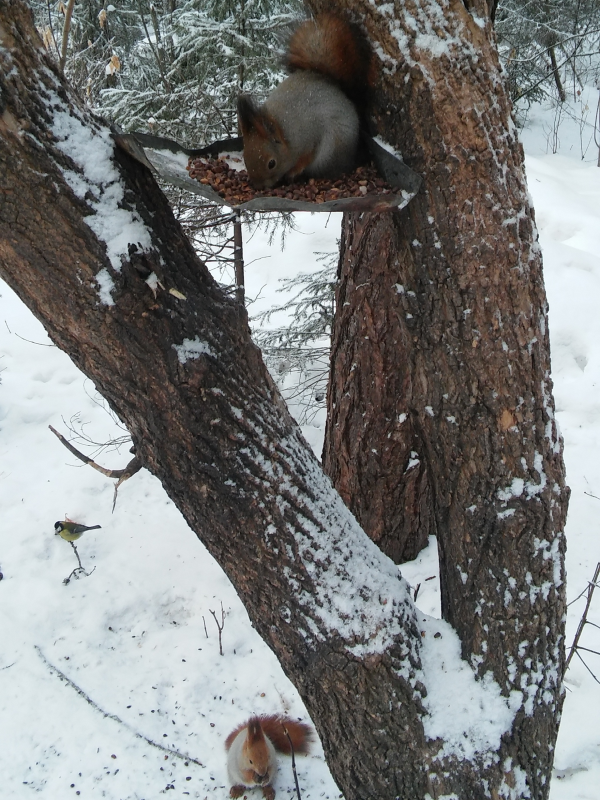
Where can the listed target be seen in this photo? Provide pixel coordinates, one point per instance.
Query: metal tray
(169, 160)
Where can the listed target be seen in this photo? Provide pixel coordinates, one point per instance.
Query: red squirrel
(251, 751)
(309, 125)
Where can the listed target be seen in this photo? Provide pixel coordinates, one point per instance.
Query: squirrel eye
(272, 164)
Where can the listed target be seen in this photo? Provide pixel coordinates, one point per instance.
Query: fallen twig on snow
(114, 717)
(219, 626)
(78, 569)
(289, 738)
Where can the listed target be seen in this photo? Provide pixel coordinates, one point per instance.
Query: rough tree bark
(90, 245)
(440, 415)
(456, 269)
(414, 287)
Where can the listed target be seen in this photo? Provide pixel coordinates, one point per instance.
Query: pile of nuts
(233, 185)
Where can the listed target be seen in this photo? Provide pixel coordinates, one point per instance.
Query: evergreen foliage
(548, 47)
(297, 354)
(171, 67)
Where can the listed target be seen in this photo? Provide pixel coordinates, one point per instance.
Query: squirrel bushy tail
(335, 47)
(274, 726)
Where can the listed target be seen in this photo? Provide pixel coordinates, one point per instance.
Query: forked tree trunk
(89, 243)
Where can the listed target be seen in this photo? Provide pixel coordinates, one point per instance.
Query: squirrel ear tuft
(255, 119)
(255, 731)
(248, 113)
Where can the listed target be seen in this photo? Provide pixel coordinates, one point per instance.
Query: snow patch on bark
(357, 592)
(425, 27)
(106, 286)
(514, 490)
(468, 715)
(192, 348)
(98, 183)
(516, 788)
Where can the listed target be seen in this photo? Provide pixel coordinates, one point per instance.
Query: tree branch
(122, 474)
(582, 622)
(65, 35)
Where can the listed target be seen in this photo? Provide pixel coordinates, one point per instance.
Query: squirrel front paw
(268, 793)
(237, 791)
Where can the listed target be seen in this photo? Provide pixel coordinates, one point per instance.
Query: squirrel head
(266, 152)
(256, 754)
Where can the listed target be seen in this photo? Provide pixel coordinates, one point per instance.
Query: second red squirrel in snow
(309, 125)
(252, 751)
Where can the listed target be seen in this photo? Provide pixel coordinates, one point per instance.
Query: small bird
(71, 531)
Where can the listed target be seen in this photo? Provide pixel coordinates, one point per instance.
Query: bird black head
(58, 526)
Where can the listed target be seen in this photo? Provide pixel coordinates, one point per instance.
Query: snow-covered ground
(101, 677)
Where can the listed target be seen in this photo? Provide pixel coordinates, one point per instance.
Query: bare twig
(586, 666)
(289, 738)
(114, 717)
(77, 428)
(238, 258)
(122, 475)
(134, 466)
(78, 570)
(30, 341)
(155, 52)
(204, 621)
(220, 626)
(588, 650)
(110, 473)
(51, 29)
(65, 36)
(582, 622)
(589, 494)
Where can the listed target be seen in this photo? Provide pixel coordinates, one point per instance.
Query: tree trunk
(556, 72)
(448, 113)
(373, 452)
(440, 412)
(450, 117)
(89, 243)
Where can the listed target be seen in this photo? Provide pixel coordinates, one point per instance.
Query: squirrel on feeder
(309, 125)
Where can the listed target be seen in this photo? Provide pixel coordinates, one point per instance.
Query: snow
(106, 286)
(99, 184)
(99, 676)
(193, 348)
(357, 590)
(452, 694)
(470, 716)
(430, 30)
